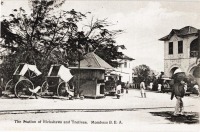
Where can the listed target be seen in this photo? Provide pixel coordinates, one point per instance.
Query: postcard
(100, 65)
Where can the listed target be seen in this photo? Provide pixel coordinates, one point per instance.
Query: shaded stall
(90, 76)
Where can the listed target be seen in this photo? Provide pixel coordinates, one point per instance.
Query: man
(127, 86)
(178, 91)
(142, 89)
(118, 89)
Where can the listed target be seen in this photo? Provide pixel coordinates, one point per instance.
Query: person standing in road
(1, 85)
(118, 89)
(178, 91)
(159, 87)
(127, 87)
(151, 85)
(142, 89)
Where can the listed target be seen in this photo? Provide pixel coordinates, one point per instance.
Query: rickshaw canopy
(23, 68)
(60, 71)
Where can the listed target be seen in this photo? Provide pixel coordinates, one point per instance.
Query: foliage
(45, 37)
(143, 72)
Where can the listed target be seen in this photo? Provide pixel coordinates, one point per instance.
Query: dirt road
(129, 113)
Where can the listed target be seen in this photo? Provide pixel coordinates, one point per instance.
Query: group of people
(179, 89)
(114, 86)
(120, 88)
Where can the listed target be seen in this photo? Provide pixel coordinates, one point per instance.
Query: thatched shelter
(91, 75)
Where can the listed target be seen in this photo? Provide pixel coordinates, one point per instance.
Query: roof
(183, 32)
(93, 61)
(24, 67)
(126, 57)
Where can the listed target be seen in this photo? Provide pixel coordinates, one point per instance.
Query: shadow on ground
(188, 117)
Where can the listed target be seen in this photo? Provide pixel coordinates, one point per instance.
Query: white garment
(159, 87)
(142, 90)
(151, 85)
(196, 87)
(142, 87)
(185, 87)
(118, 89)
(35, 90)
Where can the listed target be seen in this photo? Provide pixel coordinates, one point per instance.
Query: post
(198, 46)
(78, 74)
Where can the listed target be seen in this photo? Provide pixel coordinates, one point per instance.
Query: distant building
(181, 50)
(125, 69)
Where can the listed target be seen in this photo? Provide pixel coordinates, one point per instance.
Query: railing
(135, 85)
(194, 53)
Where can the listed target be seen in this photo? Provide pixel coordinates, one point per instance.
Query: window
(170, 47)
(125, 64)
(194, 48)
(180, 47)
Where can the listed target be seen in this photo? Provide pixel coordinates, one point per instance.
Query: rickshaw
(57, 82)
(22, 81)
(111, 86)
(165, 88)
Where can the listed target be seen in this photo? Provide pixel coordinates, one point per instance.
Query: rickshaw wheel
(10, 86)
(22, 89)
(43, 89)
(62, 89)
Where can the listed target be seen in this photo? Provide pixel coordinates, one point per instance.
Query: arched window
(194, 48)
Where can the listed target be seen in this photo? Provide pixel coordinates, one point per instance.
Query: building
(125, 69)
(181, 49)
(91, 74)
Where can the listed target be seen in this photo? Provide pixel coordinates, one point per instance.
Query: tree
(44, 38)
(142, 71)
(22, 34)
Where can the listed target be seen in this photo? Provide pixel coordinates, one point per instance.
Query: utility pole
(78, 87)
(198, 57)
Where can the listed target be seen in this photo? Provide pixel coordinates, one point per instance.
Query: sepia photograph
(100, 65)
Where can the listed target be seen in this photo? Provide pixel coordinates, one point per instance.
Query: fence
(135, 85)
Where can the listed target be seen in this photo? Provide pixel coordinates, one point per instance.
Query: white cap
(177, 71)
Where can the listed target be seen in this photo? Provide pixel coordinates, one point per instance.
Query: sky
(144, 22)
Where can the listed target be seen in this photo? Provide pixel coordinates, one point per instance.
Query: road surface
(129, 113)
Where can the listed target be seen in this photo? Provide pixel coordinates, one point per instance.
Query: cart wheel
(22, 89)
(9, 86)
(62, 89)
(43, 89)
